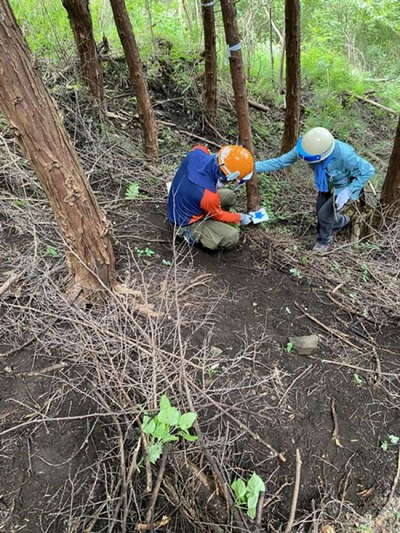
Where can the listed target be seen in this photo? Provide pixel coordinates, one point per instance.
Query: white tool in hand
(259, 216)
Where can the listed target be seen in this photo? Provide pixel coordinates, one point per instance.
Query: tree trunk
(210, 56)
(390, 196)
(240, 92)
(146, 113)
(82, 28)
(292, 39)
(38, 127)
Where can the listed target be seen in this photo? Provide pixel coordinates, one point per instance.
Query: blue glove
(342, 198)
(244, 219)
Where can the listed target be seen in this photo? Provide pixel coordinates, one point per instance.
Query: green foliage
(167, 426)
(289, 347)
(132, 191)
(144, 252)
(247, 494)
(50, 250)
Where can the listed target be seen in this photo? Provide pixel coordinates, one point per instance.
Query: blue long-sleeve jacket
(345, 168)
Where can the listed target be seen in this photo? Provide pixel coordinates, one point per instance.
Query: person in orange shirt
(198, 206)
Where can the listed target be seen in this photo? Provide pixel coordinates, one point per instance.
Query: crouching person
(198, 205)
(339, 176)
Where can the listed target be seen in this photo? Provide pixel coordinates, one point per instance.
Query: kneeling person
(198, 206)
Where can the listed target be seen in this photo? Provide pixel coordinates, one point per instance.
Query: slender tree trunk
(292, 38)
(82, 28)
(240, 92)
(146, 113)
(210, 49)
(390, 196)
(38, 127)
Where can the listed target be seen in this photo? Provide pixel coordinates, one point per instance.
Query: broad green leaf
(161, 430)
(155, 450)
(385, 445)
(164, 402)
(169, 438)
(394, 439)
(148, 425)
(255, 484)
(169, 415)
(186, 420)
(252, 506)
(187, 436)
(239, 489)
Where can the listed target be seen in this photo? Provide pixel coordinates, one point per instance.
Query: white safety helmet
(315, 145)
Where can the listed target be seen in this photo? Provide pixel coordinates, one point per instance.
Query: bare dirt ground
(206, 329)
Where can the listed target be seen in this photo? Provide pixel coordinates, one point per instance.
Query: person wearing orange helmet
(198, 205)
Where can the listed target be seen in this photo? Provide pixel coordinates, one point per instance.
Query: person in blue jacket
(339, 176)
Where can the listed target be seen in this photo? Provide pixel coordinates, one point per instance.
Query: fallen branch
(260, 508)
(157, 486)
(335, 433)
(7, 284)
(165, 520)
(338, 363)
(255, 436)
(51, 368)
(334, 332)
(258, 106)
(295, 493)
(376, 104)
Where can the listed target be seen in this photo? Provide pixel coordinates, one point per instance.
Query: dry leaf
(327, 529)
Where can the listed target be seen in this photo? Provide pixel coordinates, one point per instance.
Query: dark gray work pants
(329, 220)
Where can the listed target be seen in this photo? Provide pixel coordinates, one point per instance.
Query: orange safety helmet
(236, 162)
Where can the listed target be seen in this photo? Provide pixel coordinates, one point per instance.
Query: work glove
(342, 198)
(244, 219)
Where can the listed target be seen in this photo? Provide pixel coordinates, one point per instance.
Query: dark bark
(240, 92)
(82, 28)
(292, 45)
(146, 113)
(390, 196)
(210, 57)
(38, 127)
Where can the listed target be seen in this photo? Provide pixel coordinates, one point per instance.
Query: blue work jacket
(344, 169)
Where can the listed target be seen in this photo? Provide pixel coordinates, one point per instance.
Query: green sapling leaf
(169, 415)
(148, 425)
(252, 505)
(394, 439)
(239, 489)
(155, 451)
(161, 430)
(385, 445)
(187, 436)
(255, 484)
(164, 402)
(186, 420)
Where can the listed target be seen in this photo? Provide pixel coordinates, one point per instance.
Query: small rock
(215, 351)
(305, 345)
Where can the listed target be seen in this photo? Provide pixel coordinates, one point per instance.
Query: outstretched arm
(361, 172)
(277, 163)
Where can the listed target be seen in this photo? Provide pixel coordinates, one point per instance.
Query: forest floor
(209, 329)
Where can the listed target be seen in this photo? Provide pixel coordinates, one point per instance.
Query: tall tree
(82, 28)
(39, 130)
(292, 45)
(390, 196)
(210, 57)
(146, 112)
(239, 88)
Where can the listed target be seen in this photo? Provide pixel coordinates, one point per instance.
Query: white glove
(244, 219)
(342, 198)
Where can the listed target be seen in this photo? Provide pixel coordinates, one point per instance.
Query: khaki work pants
(213, 234)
